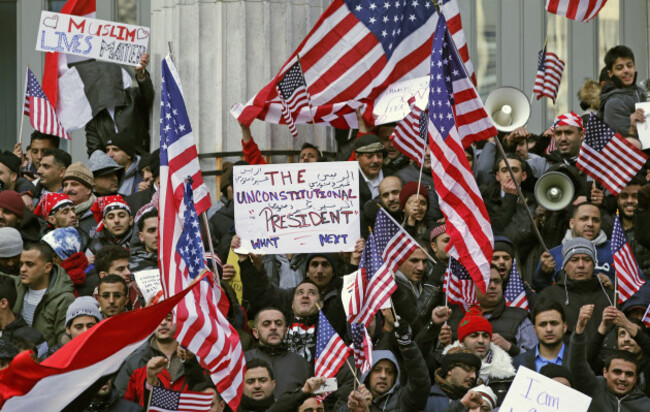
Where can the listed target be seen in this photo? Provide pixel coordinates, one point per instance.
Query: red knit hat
(12, 201)
(409, 190)
(473, 321)
(104, 205)
(50, 202)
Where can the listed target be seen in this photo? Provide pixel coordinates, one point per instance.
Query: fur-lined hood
(499, 367)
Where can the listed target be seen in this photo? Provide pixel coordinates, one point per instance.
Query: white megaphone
(508, 108)
(554, 190)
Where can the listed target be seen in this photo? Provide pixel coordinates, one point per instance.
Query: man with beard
(627, 202)
(369, 152)
(259, 386)
(270, 328)
(616, 389)
(550, 327)
(411, 173)
(57, 210)
(389, 190)
(78, 185)
(114, 223)
(51, 171)
(11, 246)
(13, 327)
(457, 374)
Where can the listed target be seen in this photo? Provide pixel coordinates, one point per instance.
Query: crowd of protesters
(73, 234)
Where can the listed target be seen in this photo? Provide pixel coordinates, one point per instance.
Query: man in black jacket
(13, 327)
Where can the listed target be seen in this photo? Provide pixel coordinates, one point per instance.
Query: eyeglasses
(116, 295)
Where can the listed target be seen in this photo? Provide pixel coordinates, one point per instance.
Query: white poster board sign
(148, 282)
(91, 38)
(531, 391)
(644, 128)
(297, 208)
(392, 104)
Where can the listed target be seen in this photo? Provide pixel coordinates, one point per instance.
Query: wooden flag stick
(354, 373)
(316, 132)
(22, 113)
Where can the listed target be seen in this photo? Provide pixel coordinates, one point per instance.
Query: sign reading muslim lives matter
(91, 38)
(297, 208)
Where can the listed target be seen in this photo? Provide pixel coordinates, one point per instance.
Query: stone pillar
(225, 52)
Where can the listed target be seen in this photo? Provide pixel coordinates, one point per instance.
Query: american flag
(458, 118)
(515, 294)
(459, 286)
(165, 400)
(331, 351)
(294, 95)
(202, 327)
(410, 134)
(549, 74)
(41, 113)
(362, 347)
(353, 53)
(608, 157)
(580, 10)
(646, 317)
(627, 270)
(379, 282)
(395, 244)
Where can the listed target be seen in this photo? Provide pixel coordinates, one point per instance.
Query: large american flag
(41, 113)
(580, 10)
(361, 346)
(515, 294)
(410, 135)
(331, 351)
(608, 157)
(202, 327)
(293, 94)
(549, 75)
(628, 276)
(378, 282)
(458, 118)
(165, 400)
(458, 286)
(353, 53)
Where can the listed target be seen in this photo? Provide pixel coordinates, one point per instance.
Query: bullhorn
(508, 108)
(554, 190)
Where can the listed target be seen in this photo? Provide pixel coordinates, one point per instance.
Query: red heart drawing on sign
(51, 21)
(142, 34)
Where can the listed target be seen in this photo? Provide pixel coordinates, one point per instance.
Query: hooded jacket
(49, 315)
(131, 178)
(617, 104)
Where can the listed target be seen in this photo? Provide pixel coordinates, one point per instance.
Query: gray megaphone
(554, 190)
(508, 108)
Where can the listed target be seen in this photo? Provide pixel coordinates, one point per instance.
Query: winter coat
(412, 174)
(141, 259)
(104, 238)
(283, 272)
(414, 302)
(20, 330)
(49, 315)
(496, 366)
(596, 387)
(439, 401)
(113, 404)
(224, 228)
(131, 179)
(617, 104)
(290, 370)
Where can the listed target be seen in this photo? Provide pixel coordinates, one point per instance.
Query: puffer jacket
(617, 104)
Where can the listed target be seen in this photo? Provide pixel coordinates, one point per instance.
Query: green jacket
(49, 316)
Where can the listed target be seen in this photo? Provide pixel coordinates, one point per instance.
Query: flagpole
(424, 153)
(22, 111)
(447, 289)
(421, 248)
(354, 373)
(392, 306)
(211, 247)
(615, 274)
(307, 87)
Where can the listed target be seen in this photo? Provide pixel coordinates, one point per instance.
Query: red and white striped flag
(293, 93)
(202, 325)
(410, 134)
(628, 276)
(646, 317)
(458, 286)
(41, 114)
(515, 294)
(457, 119)
(608, 157)
(362, 347)
(579, 10)
(331, 351)
(165, 400)
(549, 75)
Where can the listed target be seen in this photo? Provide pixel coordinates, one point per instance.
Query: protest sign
(91, 38)
(235, 282)
(643, 128)
(533, 392)
(148, 282)
(392, 104)
(297, 208)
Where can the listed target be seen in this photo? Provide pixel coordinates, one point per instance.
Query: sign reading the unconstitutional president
(91, 38)
(297, 208)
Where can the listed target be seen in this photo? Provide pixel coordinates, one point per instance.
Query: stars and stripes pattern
(410, 135)
(628, 276)
(379, 282)
(579, 10)
(293, 94)
(202, 326)
(646, 317)
(361, 346)
(357, 288)
(458, 118)
(458, 285)
(393, 242)
(41, 114)
(165, 400)
(515, 294)
(608, 157)
(353, 53)
(331, 351)
(549, 75)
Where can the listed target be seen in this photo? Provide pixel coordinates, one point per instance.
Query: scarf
(451, 391)
(82, 207)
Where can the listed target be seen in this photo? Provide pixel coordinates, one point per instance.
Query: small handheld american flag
(293, 93)
(41, 114)
(515, 294)
(165, 400)
(629, 280)
(549, 74)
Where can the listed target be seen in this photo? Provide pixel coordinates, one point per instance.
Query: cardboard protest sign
(644, 128)
(148, 282)
(91, 38)
(235, 282)
(392, 104)
(297, 208)
(531, 391)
